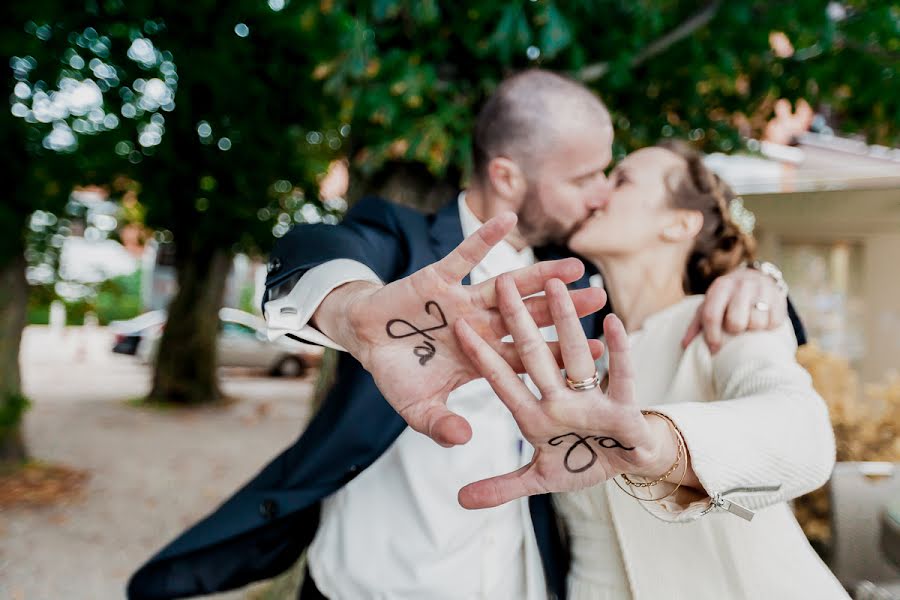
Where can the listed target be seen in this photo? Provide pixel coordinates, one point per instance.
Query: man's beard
(537, 226)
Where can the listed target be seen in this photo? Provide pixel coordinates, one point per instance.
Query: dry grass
(866, 428)
(37, 484)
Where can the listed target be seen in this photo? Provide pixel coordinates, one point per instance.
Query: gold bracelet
(682, 448)
(674, 466)
(683, 474)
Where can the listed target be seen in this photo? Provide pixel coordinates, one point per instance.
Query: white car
(243, 342)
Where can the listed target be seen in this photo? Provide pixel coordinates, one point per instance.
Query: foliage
(115, 299)
(411, 74)
(12, 407)
(221, 116)
(198, 103)
(224, 116)
(41, 175)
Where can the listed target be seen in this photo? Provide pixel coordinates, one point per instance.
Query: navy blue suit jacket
(263, 528)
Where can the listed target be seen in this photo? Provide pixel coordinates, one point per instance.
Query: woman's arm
(767, 439)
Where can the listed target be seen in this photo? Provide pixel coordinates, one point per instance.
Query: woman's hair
(720, 246)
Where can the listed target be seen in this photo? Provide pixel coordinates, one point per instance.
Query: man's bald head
(527, 115)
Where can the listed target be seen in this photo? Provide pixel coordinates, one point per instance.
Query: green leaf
(513, 33)
(556, 35)
(426, 12)
(384, 9)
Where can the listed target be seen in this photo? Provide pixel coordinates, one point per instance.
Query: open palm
(581, 438)
(404, 330)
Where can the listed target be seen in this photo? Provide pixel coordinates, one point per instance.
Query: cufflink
(274, 265)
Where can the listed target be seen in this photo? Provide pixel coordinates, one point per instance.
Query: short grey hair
(524, 116)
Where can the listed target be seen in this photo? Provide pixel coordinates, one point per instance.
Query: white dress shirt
(397, 531)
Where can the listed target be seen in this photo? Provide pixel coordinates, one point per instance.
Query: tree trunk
(13, 310)
(186, 362)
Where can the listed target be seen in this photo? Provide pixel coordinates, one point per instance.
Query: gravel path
(151, 472)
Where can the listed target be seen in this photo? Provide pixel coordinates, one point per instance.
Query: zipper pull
(732, 507)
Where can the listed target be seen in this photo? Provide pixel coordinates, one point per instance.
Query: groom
(374, 499)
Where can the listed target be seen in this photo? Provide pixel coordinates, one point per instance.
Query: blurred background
(154, 151)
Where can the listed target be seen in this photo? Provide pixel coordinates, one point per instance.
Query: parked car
(128, 334)
(242, 342)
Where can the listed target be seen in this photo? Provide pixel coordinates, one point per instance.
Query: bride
(674, 465)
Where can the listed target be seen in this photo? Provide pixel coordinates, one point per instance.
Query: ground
(150, 472)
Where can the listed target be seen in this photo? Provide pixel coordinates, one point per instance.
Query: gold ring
(583, 385)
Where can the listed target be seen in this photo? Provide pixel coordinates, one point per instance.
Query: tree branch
(596, 71)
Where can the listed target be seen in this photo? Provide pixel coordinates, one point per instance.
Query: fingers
(456, 265)
(621, 371)
(435, 420)
(775, 299)
(509, 353)
(753, 291)
(576, 353)
(533, 279)
(586, 301)
(712, 311)
(741, 307)
(778, 308)
(530, 344)
(498, 373)
(495, 491)
(759, 319)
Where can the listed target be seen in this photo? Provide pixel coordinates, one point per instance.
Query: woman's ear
(507, 178)
(684, 225)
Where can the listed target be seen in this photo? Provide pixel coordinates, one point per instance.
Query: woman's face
(637, 212)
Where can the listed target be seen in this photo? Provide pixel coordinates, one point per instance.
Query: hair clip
(741, 216)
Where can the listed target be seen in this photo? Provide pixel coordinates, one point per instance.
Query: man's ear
(507, 178)
(684, 225)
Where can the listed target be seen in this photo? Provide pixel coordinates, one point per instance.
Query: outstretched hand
(581, 438)
(402, 333)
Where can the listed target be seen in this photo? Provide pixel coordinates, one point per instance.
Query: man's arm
(371, 234)
(295, 309)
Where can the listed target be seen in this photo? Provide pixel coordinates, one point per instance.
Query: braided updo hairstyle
(720, 246)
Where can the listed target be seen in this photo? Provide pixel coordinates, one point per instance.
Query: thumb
(434, 419)
(495, 491)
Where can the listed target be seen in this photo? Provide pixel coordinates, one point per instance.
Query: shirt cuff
(290, 314)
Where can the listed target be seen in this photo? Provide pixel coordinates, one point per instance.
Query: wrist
(663, 449)
(339, 316)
